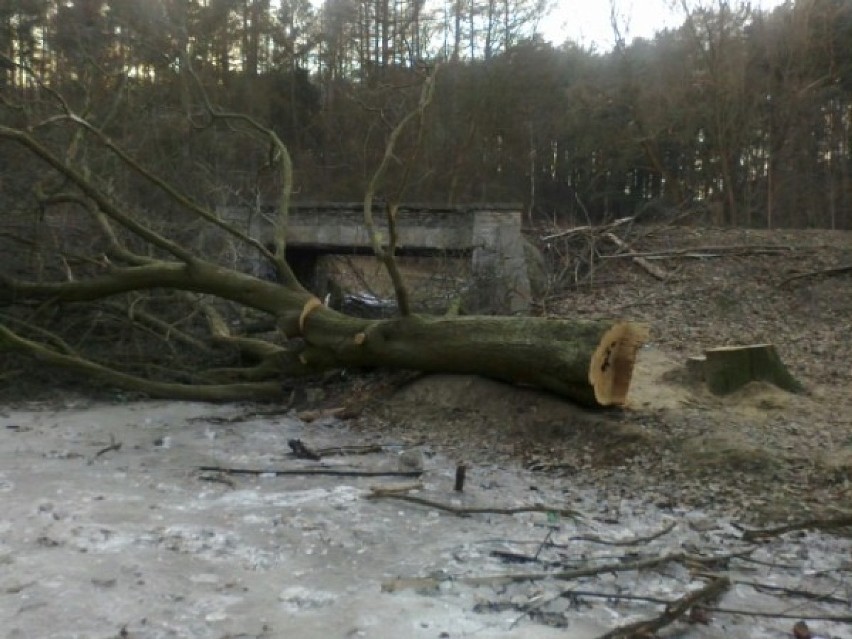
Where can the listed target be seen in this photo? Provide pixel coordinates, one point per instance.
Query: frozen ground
(137, 543)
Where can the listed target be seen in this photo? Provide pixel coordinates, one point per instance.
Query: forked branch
(280, 154)
(386, 254)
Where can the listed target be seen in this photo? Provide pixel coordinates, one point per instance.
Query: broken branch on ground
(309, 471)
(673, 612)
(463, 512)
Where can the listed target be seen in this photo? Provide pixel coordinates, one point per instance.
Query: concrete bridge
(488, 235)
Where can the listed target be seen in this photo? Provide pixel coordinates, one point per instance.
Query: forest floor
(760, 452)
(112, 528)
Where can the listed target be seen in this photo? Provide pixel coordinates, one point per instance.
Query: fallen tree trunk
(128, 253)
(589, 362)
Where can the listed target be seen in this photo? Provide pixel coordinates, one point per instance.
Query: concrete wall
(490, 234)
(501, 280)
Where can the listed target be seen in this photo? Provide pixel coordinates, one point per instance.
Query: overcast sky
(587, 21)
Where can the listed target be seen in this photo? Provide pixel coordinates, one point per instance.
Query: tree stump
(728, 368)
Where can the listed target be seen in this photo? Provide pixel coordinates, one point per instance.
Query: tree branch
(210, 393)
(673, 612)
(103, 202)
(200, 277)
(386, 255)
(281, 154)
(179, 198)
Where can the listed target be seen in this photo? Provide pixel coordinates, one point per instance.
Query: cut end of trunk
(611, 368)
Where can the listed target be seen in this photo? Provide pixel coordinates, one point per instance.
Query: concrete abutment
(488, 235)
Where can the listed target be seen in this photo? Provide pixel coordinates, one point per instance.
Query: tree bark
(590, 362)
(728, 368)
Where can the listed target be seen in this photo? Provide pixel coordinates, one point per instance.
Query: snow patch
(299, 598)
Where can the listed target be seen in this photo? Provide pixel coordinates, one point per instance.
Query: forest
(657, 443)
(739, 117)
(128, 128)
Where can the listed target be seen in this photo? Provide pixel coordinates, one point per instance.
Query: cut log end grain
(612, 363)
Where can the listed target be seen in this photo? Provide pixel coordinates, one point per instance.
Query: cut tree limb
(590, 362)
(652, 269)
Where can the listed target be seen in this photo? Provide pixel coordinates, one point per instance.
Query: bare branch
(386, 254)
(167, 188)
(201, 277)
(117, 248)
(211, 392)
(462, 511)
(164, 330)
(91, 191)
(281, 154)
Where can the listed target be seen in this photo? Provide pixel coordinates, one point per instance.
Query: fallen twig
(635, 541)
(350, 450)
(794, 592)
(531, 609)
(395, 489)
(702, 252)
(673, 611)
(770, 564)
(782, 615)
(428, 583)
(219, 479)
(757, 586)
(517, 558)
(311, 471)
(113, 445)
(242, 417)
(463, 512)
(829, 523)
(823, 271)
(587, 228)
(615, 596)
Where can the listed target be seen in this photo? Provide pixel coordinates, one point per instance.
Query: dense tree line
(738, 116)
